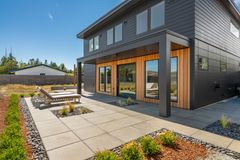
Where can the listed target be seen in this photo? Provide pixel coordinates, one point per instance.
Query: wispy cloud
(50, 16)
(237, 2)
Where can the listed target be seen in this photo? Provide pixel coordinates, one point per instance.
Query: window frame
(175, 101)
(145, 79)
(115, 29)
(111, 30)
(94, 42)
(91, 45)
(199, 66)
(233, 26)
(223, 63)
(105, 82)
(151, 15)
(147, 22)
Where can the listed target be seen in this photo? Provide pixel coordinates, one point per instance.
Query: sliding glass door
(105, 79)
(127, 80)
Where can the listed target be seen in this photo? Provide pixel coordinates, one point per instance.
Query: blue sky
(46, 29)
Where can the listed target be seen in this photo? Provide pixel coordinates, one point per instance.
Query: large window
(118, 33)
(151, 81)
(174, 79)
(234, 30)
(105, 79)
(203, 63)
(96, 43)
(110, 36)
(91, 45)
(142, 22)
(158, 15)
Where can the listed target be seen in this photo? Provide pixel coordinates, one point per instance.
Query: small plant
(71, 107)
(106, 155)
(168, 138)
(83, 110)
(64, 111)
(22, 95)
(32, 94)
(130, 101)
(122, 102)
(149, 146)
(224, 122)
(132, 151)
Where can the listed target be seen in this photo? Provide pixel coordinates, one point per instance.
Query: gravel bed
(215, 152)
(232, 131)
(77, 111)
(33, 136)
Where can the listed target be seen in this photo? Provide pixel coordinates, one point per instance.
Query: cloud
(50, 16)
(237, 2)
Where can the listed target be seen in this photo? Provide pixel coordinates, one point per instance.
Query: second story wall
(212, 25)
(179, 17)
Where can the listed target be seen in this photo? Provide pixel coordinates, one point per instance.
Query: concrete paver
(88, 132)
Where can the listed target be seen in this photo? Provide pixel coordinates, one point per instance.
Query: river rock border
(33, 136)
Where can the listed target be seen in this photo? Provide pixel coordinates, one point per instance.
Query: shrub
(83, 110)
(168, 138)
(64, 111)
(106, 155)
(32, 94)
(22, 95)
(122, 102)
(224, 122)
(130, 101)
(11, 140)
(132, 151)
(149, 146)
(71, 107)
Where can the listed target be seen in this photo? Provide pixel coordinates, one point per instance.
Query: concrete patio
(79, 137)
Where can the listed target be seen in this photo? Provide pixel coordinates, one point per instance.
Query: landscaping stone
(232, 131)
(33, 136)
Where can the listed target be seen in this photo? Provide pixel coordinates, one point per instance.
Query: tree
(62, 67)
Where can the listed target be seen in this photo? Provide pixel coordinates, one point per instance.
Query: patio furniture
(51, 97)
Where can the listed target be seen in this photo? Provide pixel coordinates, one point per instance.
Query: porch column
(164, 76)
(79, 77)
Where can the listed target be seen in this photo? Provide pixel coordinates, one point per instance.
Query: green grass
(11, 140)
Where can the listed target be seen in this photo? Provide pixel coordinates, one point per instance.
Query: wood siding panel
(183, 83)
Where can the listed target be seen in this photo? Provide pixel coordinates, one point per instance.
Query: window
(223, 66)
(118, 33)
(174, 79)
(234, 30)
(105, 79)
(158, 15)
(42, 74)
(151, 81)
(110, 36)
(203, 63)
(96, 43)
(90, 45)
(142, 22)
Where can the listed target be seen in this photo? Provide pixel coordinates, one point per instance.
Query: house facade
(177, 53)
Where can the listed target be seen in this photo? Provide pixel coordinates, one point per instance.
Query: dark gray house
(181, 53)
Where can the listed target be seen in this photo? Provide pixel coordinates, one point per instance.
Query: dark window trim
(145, 80)
(93, 38)
(199, 68)
(150, 19)
(113, 28)
(176, 101)
(148, 27)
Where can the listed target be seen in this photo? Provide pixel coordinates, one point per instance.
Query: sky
(46, 29)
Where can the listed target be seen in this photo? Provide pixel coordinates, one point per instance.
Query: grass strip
(11, 140)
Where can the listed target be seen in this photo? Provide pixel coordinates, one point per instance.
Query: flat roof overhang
(142, 46)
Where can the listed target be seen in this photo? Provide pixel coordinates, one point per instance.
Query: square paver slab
(59, 140)
(102, 142)
(76, 123)
(235, 146)
(88, 132)
(76, 151)
(127, 134)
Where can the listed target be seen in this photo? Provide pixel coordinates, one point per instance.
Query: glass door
(174, 79)
(127, 80)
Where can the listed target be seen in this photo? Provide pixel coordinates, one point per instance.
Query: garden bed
(76, 111)
(185, 148)
(123, 102)
(232, 130)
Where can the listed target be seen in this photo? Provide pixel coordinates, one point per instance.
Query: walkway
(79, 137)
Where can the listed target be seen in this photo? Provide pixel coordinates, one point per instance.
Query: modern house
(181, 53)
(39, 70)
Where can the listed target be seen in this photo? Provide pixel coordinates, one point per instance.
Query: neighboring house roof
(119, 9)
(13, 71)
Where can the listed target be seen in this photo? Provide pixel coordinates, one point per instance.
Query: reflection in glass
(174, 79)
(127, 80)
(108, 79)
(151, 82)
(102, 79)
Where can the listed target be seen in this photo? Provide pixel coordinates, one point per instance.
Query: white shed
(40, 70)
